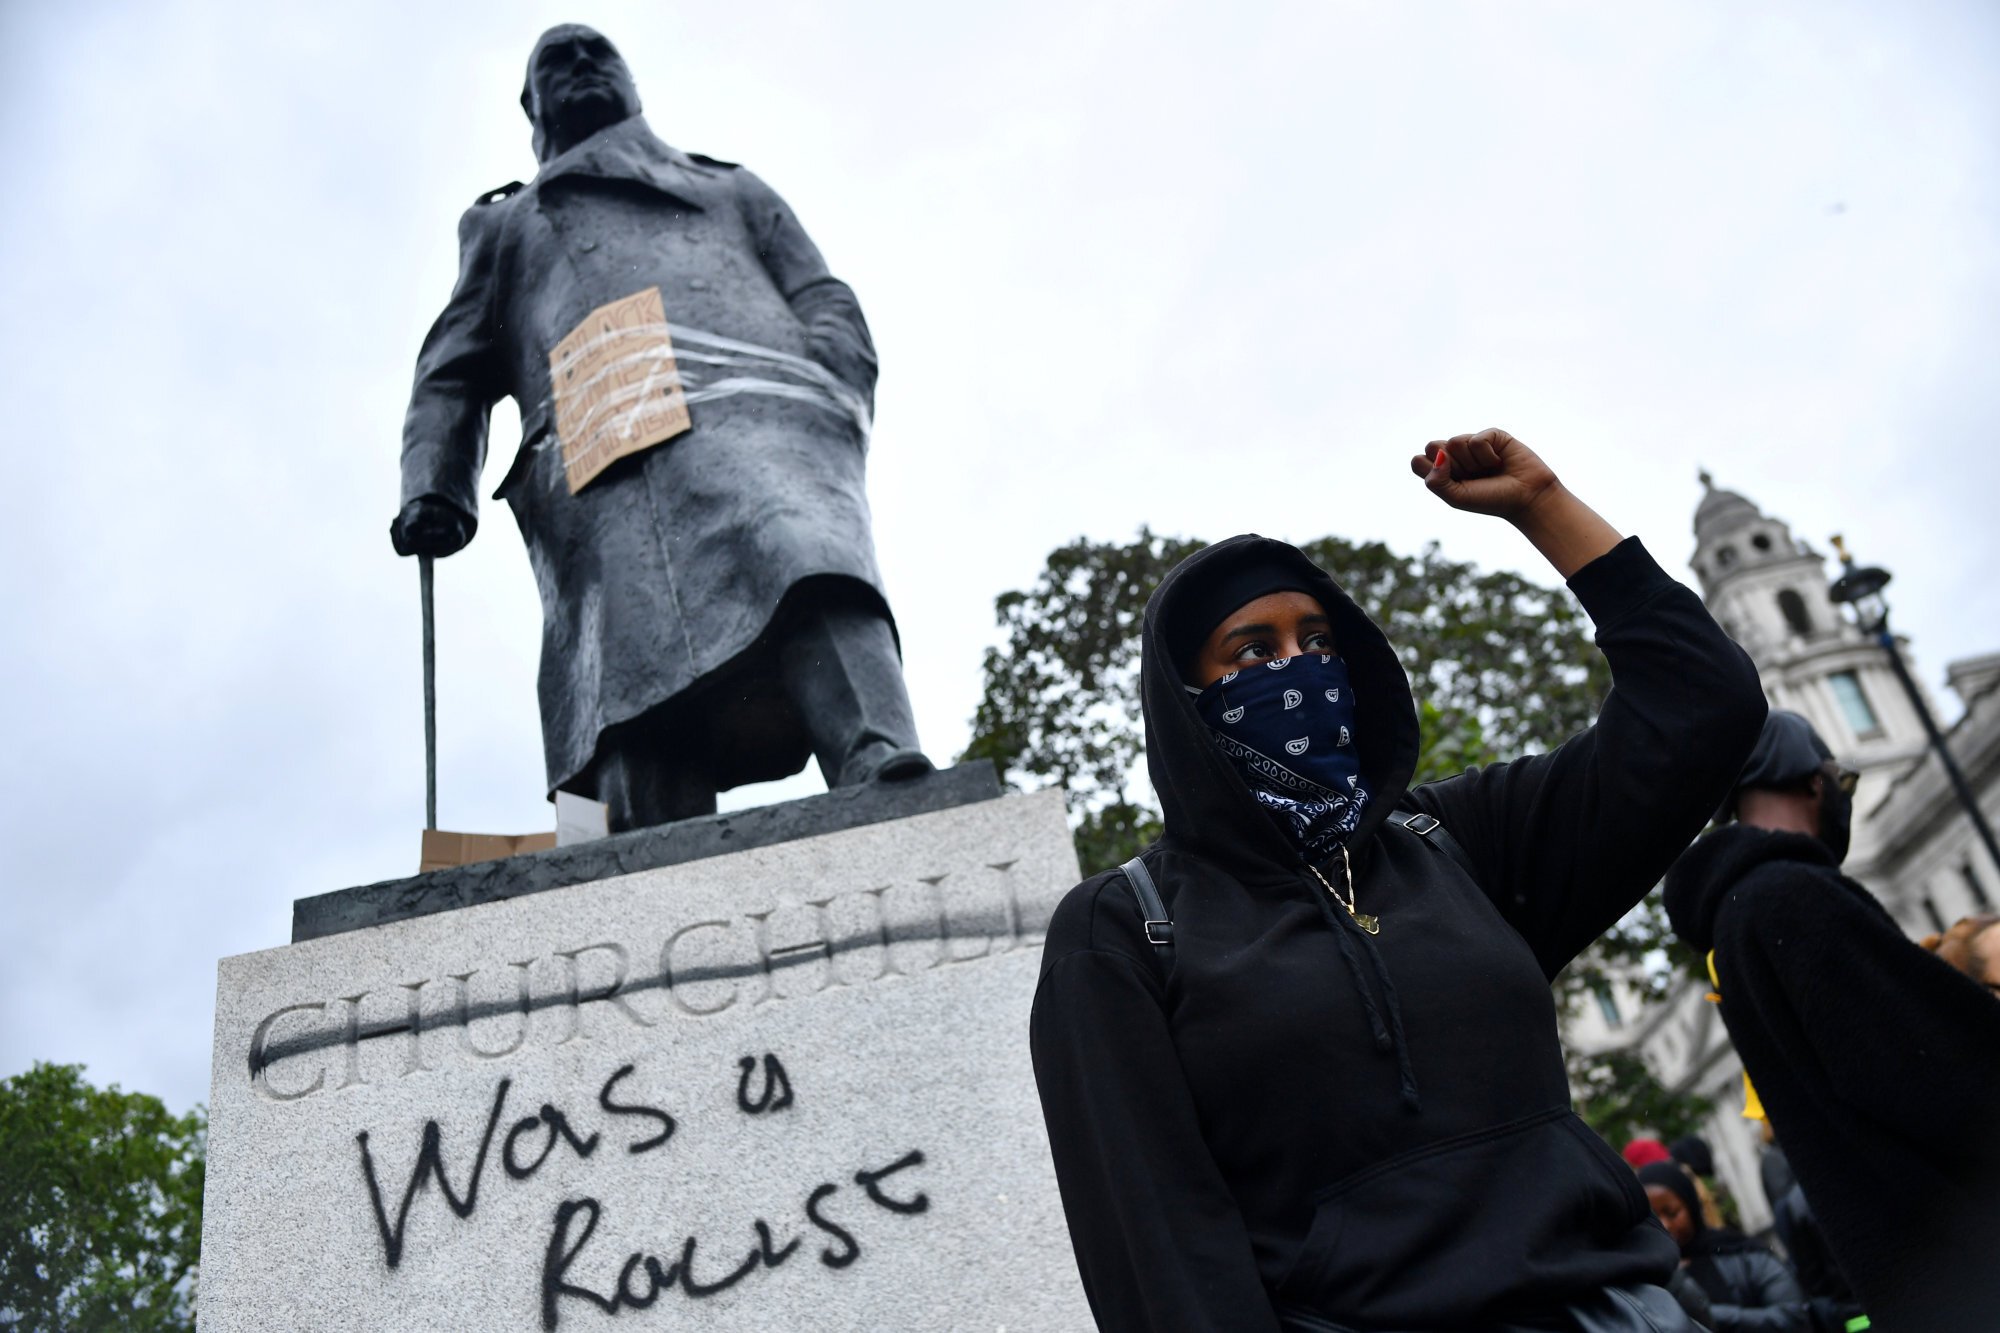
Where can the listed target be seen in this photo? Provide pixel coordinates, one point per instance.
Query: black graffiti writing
(643, 1278)
(868, 1180)
(848, 1251)
(772, 1257)
(630, 1296)
(560, 1254)
(620, 1108)
(777, 1094)
(430, 1162)
(554, 1127)
(698, 1290)
(557, 1125)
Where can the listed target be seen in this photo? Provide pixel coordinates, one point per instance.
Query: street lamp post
(1861, 589)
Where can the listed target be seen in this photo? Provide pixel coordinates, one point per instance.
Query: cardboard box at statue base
(780, 1088)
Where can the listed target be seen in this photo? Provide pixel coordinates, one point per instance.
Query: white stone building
(1913, 847)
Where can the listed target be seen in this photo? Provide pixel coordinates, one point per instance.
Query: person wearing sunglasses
(1877, 1062)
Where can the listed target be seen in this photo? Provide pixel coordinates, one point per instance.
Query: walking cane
(430, 698)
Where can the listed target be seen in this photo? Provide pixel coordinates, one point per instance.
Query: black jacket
(1750, 1290)
(1878, 1063)
(1238, 1133)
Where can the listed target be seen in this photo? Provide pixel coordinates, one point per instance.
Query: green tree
(100, 1205)
(1617, 1095)
(1500, 666)
(1642, 950)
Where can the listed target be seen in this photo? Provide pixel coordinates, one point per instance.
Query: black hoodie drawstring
(1405, 1072)
(1389, 1036)
(1383, 1041)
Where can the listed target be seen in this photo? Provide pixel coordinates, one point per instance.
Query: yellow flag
(1753, 1106)
(1753, 1109)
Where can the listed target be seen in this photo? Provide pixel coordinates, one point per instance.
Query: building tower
(1768, 590)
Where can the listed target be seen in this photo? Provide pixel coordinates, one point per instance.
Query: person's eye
(1320, 641)
(1254, 651)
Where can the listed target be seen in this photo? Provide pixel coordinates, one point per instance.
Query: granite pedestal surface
(785, 1087)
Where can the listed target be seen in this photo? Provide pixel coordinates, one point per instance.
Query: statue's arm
(458, 379)
(836, 333)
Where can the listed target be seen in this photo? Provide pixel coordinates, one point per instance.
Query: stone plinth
(641, 849)
(781, 1088)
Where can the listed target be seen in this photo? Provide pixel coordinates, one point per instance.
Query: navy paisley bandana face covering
(1288, 726)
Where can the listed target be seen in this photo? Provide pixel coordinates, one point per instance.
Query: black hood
(1707, 871)
(1207, 807)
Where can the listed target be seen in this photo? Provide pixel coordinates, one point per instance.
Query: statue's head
(577, 85)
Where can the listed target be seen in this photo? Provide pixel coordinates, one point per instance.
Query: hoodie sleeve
(1158, 1238)
(1566, 842)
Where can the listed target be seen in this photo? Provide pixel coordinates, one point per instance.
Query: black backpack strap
(1159, 927)
(1434, 833)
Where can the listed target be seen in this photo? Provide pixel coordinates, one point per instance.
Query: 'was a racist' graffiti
(820, 1227)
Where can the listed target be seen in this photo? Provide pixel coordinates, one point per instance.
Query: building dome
(1720, 512)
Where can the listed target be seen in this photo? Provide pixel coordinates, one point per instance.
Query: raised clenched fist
(1487, 473)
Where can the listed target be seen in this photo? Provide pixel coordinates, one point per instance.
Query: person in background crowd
(1877, 1062)
(1645, 1152)
(1749, 1289)
(1693, 1300)
(1315, 1083)
(1973, 947)
(1774, 1169)
(1692, 1151)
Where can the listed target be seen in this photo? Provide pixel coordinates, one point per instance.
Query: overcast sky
(1211, 269)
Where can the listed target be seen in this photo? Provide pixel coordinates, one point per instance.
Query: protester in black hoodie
(1749, 1289)
(1877, 1062)
(1341, 1102)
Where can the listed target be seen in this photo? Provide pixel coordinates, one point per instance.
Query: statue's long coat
(658, 579)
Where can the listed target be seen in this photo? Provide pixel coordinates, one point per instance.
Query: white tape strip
(844, 397)
(828, 390)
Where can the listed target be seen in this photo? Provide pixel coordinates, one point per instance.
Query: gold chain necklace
(1371, 924)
